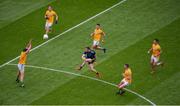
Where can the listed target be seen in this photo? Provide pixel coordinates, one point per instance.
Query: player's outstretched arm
(29, 45)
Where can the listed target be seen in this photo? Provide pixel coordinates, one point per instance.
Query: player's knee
(92, 69)
(22, 73)
(154, 63)
(121, 86)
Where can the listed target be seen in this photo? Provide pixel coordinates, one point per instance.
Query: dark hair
(98, 24)
(127, 65)
(24, 50)
(157, 40)
(88, 48)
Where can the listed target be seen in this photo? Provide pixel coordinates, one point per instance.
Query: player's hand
(46, 17)
(56, 21)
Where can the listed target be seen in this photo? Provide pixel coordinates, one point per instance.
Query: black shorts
(92, 61)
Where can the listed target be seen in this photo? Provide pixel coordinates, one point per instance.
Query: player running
(156, 52)
(89, 57)
(21, 64)
(98, 35)
(49, 16)
(126, 80)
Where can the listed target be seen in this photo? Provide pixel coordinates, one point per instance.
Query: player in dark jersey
(89, 57)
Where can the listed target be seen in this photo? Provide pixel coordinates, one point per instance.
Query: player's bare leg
(160, 63)
(101, 48)
(121, 86)
(97, 47)
(47, 30)
(153, 66)
(50, 29)
(18, 77)
(91, 67)
(22, 79)
(81, 66)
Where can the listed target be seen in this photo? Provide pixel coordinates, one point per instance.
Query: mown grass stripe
(67, 31)
(92, 78)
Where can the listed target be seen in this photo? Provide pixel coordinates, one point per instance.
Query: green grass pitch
(51, 77)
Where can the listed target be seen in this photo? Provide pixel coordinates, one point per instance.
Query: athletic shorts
(154, 59)
(95, 43)
(21, 67)
(48, 25)
(125, 83)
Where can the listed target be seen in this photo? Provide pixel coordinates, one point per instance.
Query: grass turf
(71, 13)
(12, 10)
(150, 86)
(46, 87)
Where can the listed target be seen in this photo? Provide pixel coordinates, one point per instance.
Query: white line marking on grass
(68, 30)
(84, 76)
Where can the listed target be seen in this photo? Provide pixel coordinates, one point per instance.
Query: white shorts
(48, 25)
(21, 67)
(124, 83)
(95, 43)
(154, 59)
